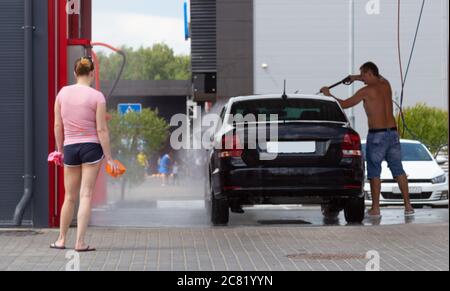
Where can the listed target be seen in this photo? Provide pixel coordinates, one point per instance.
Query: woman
(81, 132)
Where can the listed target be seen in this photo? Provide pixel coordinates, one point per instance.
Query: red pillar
(64, 30)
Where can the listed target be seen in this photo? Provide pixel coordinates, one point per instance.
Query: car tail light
(351, 146)
(231, 147)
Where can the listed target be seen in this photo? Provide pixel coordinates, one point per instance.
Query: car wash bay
(228, 68)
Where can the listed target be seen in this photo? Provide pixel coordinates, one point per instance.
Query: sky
(140, 22)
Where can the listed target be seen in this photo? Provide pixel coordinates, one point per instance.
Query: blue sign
(186, 22)
(129, 107)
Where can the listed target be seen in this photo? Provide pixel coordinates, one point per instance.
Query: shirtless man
(383, 141)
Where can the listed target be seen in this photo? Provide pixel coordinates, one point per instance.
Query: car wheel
(218, 209)
(330, 211)
(220, 212)
(208, 196)
(415, 206)
(354, 210)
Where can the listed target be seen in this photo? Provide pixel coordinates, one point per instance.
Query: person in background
(164, 168)
(142, 160)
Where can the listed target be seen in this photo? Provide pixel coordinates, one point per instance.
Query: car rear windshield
(411, 153)
(291, 109)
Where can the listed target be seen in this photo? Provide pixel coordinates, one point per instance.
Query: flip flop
(410, 213)
(55, 247)
(86, 250)
(371, 216)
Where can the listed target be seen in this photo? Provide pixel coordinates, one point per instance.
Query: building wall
(307, 43)
(12, 112)
(234, 48)
(203, 29)
(11, 106)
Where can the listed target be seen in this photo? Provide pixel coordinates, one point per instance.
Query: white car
(428, 183)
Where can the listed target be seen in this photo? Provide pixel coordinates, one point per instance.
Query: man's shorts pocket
(395, 140)
(375, 138)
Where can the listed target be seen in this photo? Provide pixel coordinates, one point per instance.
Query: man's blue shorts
(384, 145)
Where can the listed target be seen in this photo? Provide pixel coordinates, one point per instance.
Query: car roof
(402, 141)
(278, 96)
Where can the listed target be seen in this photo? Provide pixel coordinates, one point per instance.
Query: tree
(155, 63)
(428, 124)
(131, 132)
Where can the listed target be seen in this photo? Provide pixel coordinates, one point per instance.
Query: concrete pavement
(400, 247)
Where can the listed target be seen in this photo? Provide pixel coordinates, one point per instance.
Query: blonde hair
(83, 66)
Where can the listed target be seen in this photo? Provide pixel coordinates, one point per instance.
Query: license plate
(412, 190)
(300, 147)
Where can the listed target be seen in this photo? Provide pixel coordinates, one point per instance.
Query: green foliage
(429, 124)
(155, 63)
(132, 131)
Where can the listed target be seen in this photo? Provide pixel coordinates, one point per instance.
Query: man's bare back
(377, 98)
(378, 105)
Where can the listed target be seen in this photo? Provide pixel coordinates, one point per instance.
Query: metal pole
(351, 89)
(445, 61)
(445, 22)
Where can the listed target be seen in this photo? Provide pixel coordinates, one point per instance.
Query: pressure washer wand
(347, 81)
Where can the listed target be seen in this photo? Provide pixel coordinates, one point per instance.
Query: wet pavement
(193, 214)
(151, 205)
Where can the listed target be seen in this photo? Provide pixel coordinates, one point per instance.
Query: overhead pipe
(97, 65)
(28, 176)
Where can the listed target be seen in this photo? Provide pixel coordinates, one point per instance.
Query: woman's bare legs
(89, 175)
(72, 182)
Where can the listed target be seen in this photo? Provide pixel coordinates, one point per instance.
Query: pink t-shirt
(78, 111)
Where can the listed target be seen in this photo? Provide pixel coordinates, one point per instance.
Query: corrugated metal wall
(11, 106)
(203, 35)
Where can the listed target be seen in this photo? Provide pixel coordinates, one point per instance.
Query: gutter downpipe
(28, 118)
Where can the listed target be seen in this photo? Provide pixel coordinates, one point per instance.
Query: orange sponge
(120, 169)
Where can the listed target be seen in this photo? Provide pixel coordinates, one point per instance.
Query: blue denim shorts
(384, 146)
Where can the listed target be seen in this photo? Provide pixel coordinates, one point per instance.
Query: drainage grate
(326, 257)
(19, 233)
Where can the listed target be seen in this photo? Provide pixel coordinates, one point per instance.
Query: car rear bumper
(264, 177)
(316, 184)
(290, 195)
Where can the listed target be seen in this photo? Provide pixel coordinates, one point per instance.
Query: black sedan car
(276, 150)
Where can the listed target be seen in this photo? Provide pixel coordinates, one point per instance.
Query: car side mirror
(441, 160)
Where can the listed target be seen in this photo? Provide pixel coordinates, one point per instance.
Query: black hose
(405, 126)
(119, 75)
(413, 45)
(403, 81)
